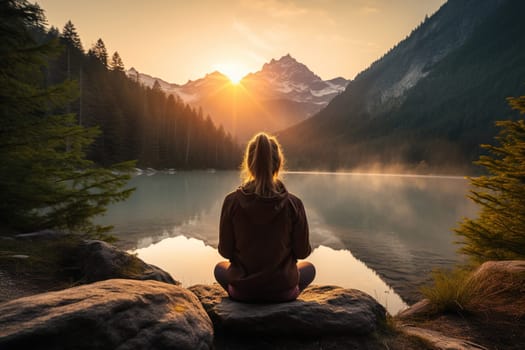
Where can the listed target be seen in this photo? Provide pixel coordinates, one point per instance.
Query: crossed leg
(306, 274)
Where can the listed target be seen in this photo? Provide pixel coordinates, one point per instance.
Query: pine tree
(45, 179)
(53, 32)
(116, 63)
(100, 52)
(70, 36)
(498, 233)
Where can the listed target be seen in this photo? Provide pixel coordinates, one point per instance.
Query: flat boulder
(319, 311)
(112, 314)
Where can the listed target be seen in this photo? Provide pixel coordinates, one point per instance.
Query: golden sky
(177, 40)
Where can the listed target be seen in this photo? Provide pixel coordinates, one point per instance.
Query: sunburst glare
(234, 72)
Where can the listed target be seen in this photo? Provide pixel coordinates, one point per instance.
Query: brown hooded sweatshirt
(263, 237)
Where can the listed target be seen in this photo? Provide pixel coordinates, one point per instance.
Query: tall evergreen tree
(116, 63)
(100, 52)
(498, 233)
(72, 58)
(71, 37)
(45, 179)
(53, 32)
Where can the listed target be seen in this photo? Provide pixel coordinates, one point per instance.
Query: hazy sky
(177, 40)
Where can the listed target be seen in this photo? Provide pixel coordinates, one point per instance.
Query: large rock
(422, 308)
(503, 266)
(100, 261)
(113, 314)
(498, 287)
(319, 311)
(88, 261)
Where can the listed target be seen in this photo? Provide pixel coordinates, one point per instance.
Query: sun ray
(234, 72)
(238, 91)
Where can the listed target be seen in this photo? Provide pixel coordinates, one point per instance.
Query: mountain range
(428, 102)
(282, 93)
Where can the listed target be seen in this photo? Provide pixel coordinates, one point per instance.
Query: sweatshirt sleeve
(226, 237)
(300, 233)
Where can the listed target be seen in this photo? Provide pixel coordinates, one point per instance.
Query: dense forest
(137, 122)
(73, 126)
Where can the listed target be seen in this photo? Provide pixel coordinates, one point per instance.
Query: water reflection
(191, 262)
(187, 201)
(419, 210)
(188, 260)
(341, 268)
(400, 227)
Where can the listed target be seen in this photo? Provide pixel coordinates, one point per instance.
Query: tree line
(137, 122)
(73, 126)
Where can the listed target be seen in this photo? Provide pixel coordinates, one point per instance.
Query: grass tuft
(451, 290)
(462, 290)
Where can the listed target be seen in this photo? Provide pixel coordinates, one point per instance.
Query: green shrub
(498, 233)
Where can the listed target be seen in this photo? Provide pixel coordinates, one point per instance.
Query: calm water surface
(382, 234)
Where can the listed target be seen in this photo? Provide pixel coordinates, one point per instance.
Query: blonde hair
(263, 159)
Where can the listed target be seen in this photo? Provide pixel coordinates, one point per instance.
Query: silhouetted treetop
(70, 36)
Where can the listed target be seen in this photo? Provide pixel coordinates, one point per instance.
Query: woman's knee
(221, 267)
(306, 273)
(306, 268)
(220, 273)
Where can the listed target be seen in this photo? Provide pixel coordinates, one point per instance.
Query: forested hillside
(137, 122)
(429, 102)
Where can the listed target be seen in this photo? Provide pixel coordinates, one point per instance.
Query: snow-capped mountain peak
(288, 69)
(283, 92)
(288, 78)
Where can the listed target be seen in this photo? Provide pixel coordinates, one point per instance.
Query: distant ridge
(282, 93)
(430, 101)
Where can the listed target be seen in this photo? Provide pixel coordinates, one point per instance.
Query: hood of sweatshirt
(261, 209)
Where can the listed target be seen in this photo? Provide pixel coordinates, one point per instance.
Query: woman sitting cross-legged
(263, 231)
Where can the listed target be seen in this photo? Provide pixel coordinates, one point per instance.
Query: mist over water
(400, 226)
(381, 234)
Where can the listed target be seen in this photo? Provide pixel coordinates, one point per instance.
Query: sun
(234, 72)
(235, 77)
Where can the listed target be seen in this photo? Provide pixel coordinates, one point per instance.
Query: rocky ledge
(125, 311)
(129, 304)
(112, 314)
(134, 314)
(319, 310)
(322, 317)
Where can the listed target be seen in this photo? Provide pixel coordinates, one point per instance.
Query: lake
(382, 234)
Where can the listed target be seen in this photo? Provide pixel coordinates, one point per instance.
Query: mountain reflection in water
(399, 227)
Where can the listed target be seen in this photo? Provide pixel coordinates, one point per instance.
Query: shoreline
(504, 328)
